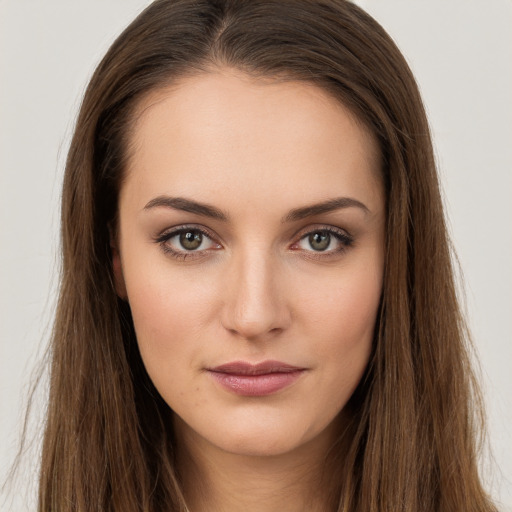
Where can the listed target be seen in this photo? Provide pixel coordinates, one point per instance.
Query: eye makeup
(195, 241)
(323, 242)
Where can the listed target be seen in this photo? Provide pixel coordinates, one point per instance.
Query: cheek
(170, 315)
(170, 320)
(345, 307)
(342, 321)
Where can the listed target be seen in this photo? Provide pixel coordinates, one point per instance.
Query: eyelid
(164, 236)
(176, 230)
(321, 227)
(342, 235)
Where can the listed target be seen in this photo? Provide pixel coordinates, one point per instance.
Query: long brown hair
(108, 444)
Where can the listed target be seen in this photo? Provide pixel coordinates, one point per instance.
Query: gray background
(461, 53)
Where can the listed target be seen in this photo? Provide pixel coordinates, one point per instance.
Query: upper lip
(245, 368)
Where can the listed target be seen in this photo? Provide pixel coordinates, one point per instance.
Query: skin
(256, 289)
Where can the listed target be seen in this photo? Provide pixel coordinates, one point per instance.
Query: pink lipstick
(260, 379)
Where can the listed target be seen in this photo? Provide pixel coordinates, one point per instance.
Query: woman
(257, 307)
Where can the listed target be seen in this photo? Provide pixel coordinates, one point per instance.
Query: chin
(259, 445)
(259, 436)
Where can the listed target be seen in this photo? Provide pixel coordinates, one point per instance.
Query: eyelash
(164, 238)
(345, 240)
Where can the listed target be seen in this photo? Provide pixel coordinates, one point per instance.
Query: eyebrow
(330, 205)
(187, 205)
(206, 210)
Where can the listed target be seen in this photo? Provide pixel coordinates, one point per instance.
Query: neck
(214, 479)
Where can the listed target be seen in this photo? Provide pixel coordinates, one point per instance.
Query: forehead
(248, 137)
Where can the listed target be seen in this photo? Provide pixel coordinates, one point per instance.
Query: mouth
(260, 379)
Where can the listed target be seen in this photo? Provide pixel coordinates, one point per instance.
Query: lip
(246, 379)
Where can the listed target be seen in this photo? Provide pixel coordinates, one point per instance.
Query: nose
(255, 299)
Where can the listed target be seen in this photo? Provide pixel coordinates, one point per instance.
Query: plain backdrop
(461, 53)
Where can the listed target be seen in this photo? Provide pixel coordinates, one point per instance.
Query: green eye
(191, 240)
(329, 241)
(187, 242)
(319, 240)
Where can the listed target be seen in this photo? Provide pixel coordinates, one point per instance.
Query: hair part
(410, 444)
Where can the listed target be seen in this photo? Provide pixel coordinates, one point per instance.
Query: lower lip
(256, 385)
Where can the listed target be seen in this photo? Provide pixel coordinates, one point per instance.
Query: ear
(117, 268)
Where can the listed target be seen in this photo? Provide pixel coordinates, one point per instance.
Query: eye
(184, 242)
(319, 241)
(189, 240)
(325, 240)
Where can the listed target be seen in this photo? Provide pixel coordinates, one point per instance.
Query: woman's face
(250, 250)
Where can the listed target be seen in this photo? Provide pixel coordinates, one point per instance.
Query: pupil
(320, 240)
(191, 240)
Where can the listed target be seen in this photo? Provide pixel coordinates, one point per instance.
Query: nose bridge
(255, 305)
